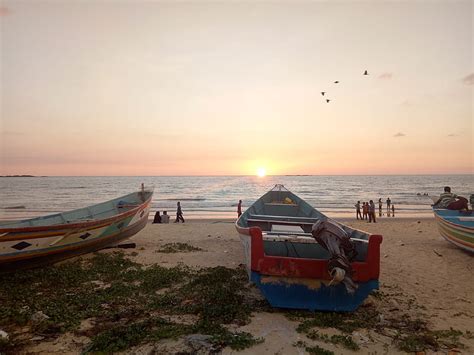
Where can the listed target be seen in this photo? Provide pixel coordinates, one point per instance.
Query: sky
(228, 88)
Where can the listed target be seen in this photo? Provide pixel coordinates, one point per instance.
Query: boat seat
(283, 218)
(271, 222)
(299, 234)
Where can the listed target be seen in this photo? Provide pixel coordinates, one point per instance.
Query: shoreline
(194, 218)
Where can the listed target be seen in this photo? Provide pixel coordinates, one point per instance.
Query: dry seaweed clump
(130, 304)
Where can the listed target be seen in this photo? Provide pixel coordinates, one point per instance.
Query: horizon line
(242, 175)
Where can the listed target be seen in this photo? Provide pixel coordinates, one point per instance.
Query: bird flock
(323, 93)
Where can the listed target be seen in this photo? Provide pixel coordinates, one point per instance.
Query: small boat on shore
(49, 239)
(456, 227)
(293, 267)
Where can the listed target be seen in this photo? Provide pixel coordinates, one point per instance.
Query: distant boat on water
(291, 268)
(456, 227)
(49, 239)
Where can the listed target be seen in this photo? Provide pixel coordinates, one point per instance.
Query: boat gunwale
(441, 219)
(78, 225)
(369, 269)
(61, 248)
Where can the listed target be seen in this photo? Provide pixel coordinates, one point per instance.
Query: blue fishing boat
(456, 227)
(293, 268)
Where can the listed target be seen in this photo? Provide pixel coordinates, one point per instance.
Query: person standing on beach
(365, 210)
(372, 212)
(393, 210)
(380, 207)
(239, 209)
(179, 214)
(388, 206)
(358, 214)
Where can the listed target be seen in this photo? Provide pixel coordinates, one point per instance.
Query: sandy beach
(422, 276)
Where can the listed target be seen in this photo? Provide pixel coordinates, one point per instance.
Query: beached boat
(290, 267)
(49, 239)
(456, 227)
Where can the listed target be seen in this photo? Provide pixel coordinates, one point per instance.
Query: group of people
(446, 200)
(367, 210)
(165, 218)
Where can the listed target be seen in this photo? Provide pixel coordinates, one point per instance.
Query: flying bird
(327, 100)
(366, 73)
(323, 92)
(336, 82)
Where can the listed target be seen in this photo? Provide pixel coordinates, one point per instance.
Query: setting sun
(261, 172)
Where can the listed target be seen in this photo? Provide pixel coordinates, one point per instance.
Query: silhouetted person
(366, 73)
(179, 214)
(358, 214)
(323, 92)
(380, 207)
(327, 100)
(157, 218)
(239, 209)
(372, 212)
(388, 206)
(365, 209)
(165, 218)
(451, 201)
(393, 211)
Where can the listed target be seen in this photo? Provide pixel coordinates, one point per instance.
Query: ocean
(217, 196)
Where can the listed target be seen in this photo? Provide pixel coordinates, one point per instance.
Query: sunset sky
(167, 88)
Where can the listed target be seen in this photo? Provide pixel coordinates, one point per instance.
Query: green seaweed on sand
(345, 322)
(344, 340)
(236, 341)
(122, 337)
(124, 299)
(177, 248)
(429, 339)
(411, 334)
(314, 350)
